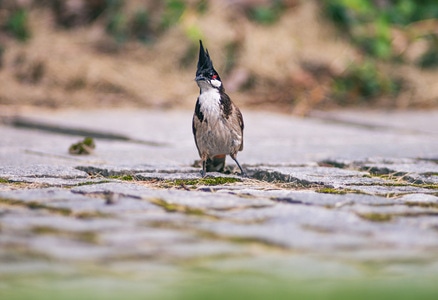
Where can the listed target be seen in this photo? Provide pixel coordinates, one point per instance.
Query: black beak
(200, 78)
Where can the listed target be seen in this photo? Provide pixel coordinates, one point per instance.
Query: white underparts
(215, 134)
(209, 102)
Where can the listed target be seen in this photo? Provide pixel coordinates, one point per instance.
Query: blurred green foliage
(369, 22)
(123, 24)
(266, 14)
(117, 27)
(117, 20)
(17, 24)
(202, 6)
(138, 25)
(370, 25)
(429, 60)
(173, 11)
(364, 81)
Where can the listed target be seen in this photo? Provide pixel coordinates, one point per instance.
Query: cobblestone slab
(322, 199)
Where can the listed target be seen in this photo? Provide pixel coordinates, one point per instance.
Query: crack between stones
(25, 123)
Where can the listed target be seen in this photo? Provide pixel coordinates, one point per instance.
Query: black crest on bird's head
(205, 65)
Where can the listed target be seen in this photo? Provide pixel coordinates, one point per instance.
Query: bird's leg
(204, 168)
(242, 172)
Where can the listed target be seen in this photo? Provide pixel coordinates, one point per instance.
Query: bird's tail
(216, 164)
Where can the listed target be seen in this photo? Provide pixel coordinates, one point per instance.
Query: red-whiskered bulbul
(217, 122)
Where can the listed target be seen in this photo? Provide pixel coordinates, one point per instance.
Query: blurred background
(281, 55)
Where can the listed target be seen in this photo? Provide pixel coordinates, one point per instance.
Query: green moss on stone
(422, 204)
(84, 236)
(211, 181)
(125, 177)
(327, 190)
(430, 186)
(343, 191)
(84, 147)
(174, 207)
(45, 230)
(91, 215)
(247, 240)
(36, 205)
(91, 182)
(376, 217)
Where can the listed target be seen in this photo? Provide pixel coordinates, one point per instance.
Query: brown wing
(230, 109)
(241, 124)
(198, 117)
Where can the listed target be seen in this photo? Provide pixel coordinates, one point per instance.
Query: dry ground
(287, 66)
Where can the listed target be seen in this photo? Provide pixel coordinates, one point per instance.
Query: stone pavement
(337, 195)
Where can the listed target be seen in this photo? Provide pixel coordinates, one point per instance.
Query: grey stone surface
(340, 194)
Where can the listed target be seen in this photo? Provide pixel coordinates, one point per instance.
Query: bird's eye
(214, 76)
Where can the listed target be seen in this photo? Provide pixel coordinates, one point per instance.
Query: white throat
(209, 101)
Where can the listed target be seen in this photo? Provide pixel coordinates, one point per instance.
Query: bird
(217, 123)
